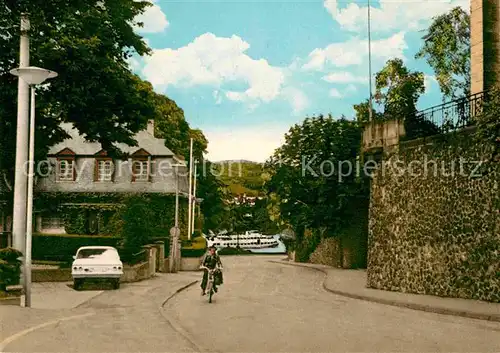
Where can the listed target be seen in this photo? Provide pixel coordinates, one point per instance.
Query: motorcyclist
(210, 260)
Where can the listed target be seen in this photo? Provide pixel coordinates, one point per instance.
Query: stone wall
(435, 221)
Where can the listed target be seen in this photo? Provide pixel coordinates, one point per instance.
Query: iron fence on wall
(454, 115)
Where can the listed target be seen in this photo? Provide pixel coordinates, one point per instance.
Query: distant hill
(241, 176)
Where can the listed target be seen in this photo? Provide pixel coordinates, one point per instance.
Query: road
(262, 307)
(267, 307)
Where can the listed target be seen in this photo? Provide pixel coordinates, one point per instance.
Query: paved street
(126, 320)
(268, 307)
(263, 307)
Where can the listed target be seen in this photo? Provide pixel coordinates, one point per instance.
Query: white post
(194, 195)
(190, 187)
(175, 242)
(20, 179)
(29, 207)
(176, 197)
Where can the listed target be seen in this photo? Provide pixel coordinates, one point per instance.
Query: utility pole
(21, 178)
(190, 187)
(370, 108)
(194, 195)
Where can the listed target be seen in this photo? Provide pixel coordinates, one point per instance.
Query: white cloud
(391, 15)
(344, 77)
(212, 60)
(297, 99)
(428, 82)
(355, 52)
(250, 143)
(154, 19)
(336, 93)
(217, 96)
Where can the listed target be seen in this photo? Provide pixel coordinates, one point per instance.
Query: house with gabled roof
(78, 167)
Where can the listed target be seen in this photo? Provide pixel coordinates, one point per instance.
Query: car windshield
(96, 254)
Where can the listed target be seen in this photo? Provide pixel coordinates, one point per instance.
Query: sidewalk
(54, 303)
(352, 283)
(58, 295)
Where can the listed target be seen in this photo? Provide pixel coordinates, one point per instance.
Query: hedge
(10, 267)
(62, 247)
(195, 247)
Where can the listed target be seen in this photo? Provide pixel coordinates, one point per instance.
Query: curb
(177, 327)
(413, 306)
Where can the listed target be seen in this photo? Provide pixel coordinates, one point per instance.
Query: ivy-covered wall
(435, 220)
(76, 209)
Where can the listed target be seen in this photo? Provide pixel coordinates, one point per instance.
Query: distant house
(79, 167)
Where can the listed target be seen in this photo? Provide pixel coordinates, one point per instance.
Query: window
(104, 170)
(51, 223)
(66, 170)
(140, 170)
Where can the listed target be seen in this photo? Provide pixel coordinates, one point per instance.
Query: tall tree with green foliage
(398, 90)
(88, 43)
(311, 178)
(447, 50)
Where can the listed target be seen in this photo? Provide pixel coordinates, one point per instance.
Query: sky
(245, 71)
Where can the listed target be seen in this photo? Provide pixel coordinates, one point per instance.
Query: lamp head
(33, 75)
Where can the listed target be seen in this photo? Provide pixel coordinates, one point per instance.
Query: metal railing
(454, 115)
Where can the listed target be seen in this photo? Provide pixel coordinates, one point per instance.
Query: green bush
(190, 252)
(137, 221)
(10, 267)
(62, 247)
(195, 247)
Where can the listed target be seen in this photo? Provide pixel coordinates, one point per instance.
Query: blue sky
(245, 71)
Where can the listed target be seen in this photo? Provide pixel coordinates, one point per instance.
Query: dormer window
(66, 169)
(141, 166)
(104, 167)
(66, 165)
(141, 170)
(104, 170)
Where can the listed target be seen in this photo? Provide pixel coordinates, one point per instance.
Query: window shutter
(73, 162)
(96, 170)
(150, 169)
(133, 169)
(113, 170)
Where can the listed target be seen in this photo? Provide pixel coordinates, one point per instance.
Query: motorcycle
(210, 282)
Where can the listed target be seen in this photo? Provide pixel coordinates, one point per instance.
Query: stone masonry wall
(436, 230)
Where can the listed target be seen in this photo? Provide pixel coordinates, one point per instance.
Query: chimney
(151, 126)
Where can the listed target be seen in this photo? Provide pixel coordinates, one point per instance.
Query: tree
(171, 125)
(311, 178)
(212, 190)
(398, 90)
(447, 50)
(88, 43)
(363, 113)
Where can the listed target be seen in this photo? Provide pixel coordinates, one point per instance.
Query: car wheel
(116, 284)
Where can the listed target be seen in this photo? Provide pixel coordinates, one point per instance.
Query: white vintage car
(96, 262)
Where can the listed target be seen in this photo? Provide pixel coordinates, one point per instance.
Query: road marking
(18, 335)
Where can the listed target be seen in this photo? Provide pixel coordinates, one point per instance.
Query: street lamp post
(19, 207)
(33, 76)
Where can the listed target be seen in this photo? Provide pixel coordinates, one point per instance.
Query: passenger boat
(251, 239)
